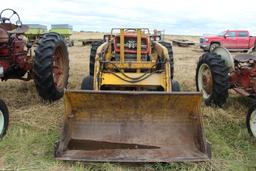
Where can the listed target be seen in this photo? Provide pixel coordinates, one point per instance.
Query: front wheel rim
(1, 122)
(205, 82)
(58, 68)
(253, 123)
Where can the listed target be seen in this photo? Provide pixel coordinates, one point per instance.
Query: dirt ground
(35, 125)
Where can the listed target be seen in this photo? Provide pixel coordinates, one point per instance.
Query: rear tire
(51, 66)
(212, 79)
(4, 119)
(251, 121)
(170, 52)
(94, 47)
(87, 83)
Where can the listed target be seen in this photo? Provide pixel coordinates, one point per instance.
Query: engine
(244, 75)
(13, 56)
(130, 47)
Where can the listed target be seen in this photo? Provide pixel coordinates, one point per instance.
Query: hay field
(35, 125)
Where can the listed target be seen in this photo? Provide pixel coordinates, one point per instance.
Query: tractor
(4, 118)
(218, 71)
(129, 108)
(48, 65)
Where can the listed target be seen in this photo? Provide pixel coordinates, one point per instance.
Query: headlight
(202, 40)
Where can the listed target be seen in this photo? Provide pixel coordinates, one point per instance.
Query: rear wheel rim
(253, 123)
(205, 81)
(1, 122)
(58, 68)
(253, 53)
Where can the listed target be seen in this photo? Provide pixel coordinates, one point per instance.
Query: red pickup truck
(237, 40)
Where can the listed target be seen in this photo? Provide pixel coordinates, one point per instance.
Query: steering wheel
(14, 13)
(130, 29)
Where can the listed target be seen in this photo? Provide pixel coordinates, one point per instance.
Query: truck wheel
(51, 66)
(170, 52)
(4, 118)
(87, 83)
(94, 47)
(251, 120)
(212, 79)
(213, 46)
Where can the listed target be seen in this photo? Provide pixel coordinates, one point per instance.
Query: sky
(186, 17)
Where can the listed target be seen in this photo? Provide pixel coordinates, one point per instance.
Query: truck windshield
(222, 33)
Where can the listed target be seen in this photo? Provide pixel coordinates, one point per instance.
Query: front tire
(87, 83)
(51, 66)
(94, 47)
(212, 79)
(4, 119)
(251, 121)
(170, 53)
(175, 86)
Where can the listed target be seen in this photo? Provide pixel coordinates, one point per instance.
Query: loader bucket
(107, 126)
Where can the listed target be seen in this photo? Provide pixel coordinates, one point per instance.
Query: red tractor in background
(4, 118)
(218, 71)
(49, 67)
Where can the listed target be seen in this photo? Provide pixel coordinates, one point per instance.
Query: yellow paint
(156, 79)
(121, 45)
(138, 45)
(131, 65)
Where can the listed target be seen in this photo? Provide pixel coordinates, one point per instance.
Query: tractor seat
(3, 36)
(244, 58)
(19, 30)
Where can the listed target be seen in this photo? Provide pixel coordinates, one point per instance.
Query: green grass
(30, 141)
(35, 127)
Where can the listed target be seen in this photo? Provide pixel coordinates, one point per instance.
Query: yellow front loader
(130, 108)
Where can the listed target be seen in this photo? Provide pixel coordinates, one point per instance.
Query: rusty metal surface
(8, 26)
(19, 30)
(113, 126)
(3, 36)
(13, 29)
